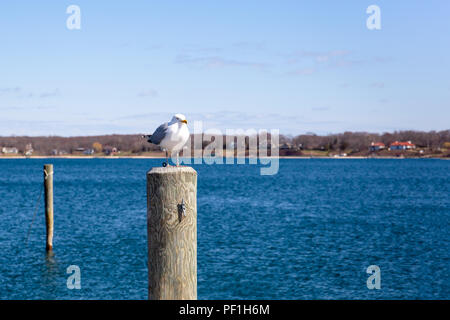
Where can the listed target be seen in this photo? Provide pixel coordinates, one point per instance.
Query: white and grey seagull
(171, 136)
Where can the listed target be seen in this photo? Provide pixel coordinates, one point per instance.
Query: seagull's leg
(178, 162)
(170, 156)
(167, 157)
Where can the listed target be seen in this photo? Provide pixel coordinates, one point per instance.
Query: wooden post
(48, 187)
(172, 233)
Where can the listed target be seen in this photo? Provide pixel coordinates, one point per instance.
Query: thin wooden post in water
(172, 233)
(48, 187)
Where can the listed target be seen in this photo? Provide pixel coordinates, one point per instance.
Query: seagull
(171, 136)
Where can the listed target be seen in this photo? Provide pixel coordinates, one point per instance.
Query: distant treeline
(359, 141)
(48, 145)
(355, 141)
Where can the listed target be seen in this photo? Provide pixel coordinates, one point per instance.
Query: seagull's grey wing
(159, 134)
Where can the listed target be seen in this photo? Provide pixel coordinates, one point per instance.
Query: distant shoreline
(163, 157)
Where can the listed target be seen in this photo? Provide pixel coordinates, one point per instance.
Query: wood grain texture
(172, 237)
(48, 187)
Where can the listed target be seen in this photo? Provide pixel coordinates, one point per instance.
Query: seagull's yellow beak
(184, 121)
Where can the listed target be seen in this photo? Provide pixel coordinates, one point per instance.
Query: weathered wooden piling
(172, 233)
(48, 187)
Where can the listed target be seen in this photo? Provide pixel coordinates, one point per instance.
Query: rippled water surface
(308, 232)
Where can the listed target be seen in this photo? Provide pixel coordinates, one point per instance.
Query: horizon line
(309, 133)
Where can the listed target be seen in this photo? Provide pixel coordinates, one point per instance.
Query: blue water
(308, 232)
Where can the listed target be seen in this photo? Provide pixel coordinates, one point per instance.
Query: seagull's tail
(148, 137)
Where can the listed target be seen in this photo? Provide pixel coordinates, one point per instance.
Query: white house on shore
(10, 150)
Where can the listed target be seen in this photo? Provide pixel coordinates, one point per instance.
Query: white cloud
(317, 56)
(379, 85)
(217, 62)
(302, 72)
(148, 93)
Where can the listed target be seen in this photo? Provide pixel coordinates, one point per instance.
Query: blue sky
(297, 66)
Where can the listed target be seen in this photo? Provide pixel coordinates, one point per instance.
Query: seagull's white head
(179, 118)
